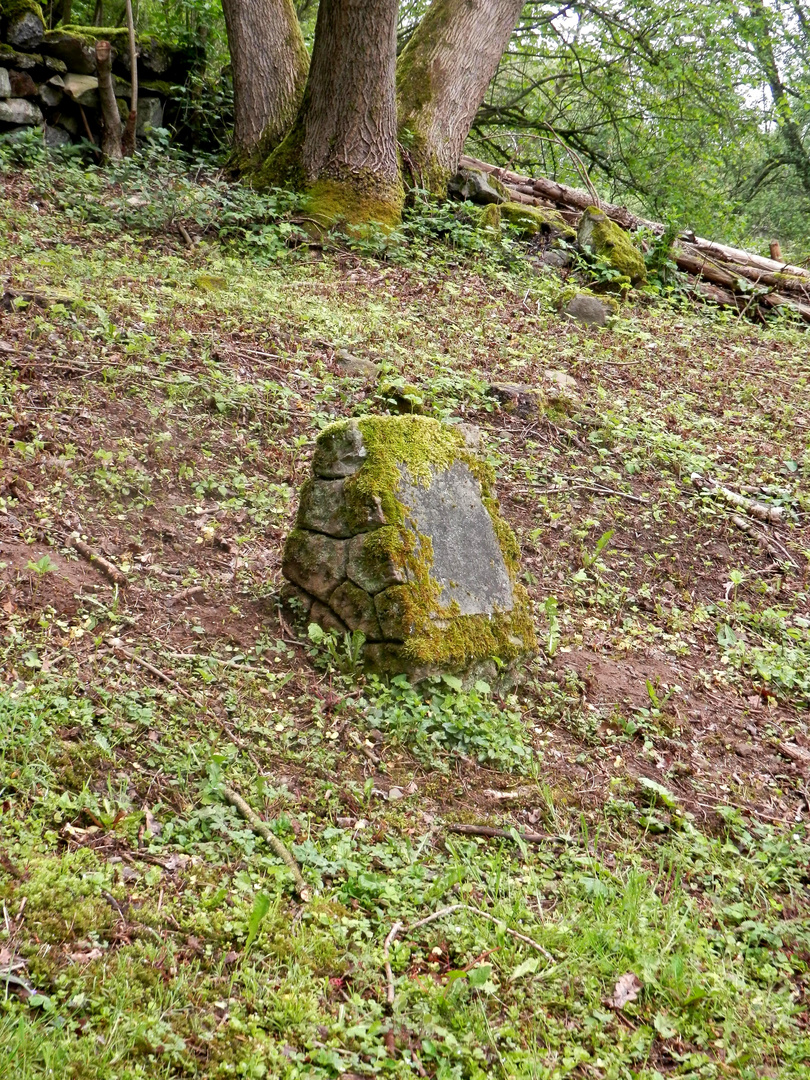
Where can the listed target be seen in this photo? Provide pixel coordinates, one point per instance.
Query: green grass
(168, 414)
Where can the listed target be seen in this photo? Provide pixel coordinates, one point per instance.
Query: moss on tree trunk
(442, 76)
(342, 146)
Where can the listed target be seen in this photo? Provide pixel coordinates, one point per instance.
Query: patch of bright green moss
(13, 10)
(609, 241)
(530, 220)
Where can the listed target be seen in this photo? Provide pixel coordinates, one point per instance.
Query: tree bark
(342, 148)
(442, 77)
(111, 121)
(129, 140)
(270, 64)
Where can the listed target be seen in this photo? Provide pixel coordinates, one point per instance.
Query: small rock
(472, 435)
(5, 84)
(477, 186)
(22, 85)
(355, 367)
(395, 793)
(25, 31)
(339, 452)
(83, 89)
(52, 92)
(561, 379)
(517, 398)
(558, 260)
(588, 310)
(20, 111)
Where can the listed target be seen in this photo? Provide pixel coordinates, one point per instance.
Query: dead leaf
(152, 826)
(85, 957)
(627, 989)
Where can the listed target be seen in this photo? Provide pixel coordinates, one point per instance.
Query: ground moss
(609, 241)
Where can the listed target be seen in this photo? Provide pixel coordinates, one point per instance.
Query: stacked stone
(345, 564)
(48, 77)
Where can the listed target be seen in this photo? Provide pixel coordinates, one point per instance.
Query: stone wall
(48, 77)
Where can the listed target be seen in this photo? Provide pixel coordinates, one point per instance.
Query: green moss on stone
(490, 219)
(609, 241)
(437, 634)
(530, 220)
(12, 10)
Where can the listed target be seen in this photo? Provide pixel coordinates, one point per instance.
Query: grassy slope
(168, 416)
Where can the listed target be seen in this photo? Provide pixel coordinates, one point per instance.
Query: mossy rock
(430, 577)
(531, 220)
(22, 23)
(490, 219)
(478, 187)
(610, 242)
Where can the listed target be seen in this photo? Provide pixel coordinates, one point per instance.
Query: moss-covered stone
(441, 573)
(531, 220)
(490, 219)
(22, 23)
(610, 242)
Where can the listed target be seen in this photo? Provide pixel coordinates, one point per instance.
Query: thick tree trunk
(442, 77)
(342, 148)
(270, 64)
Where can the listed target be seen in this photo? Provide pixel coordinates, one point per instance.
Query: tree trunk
(111, 121)
(129, 140)
(270, 64)
(342, 148)
(442, 77)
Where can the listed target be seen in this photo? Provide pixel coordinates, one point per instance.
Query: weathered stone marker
(398, 535)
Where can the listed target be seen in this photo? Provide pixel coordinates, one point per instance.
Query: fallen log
(782, 284)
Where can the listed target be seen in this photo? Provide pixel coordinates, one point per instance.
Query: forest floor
(162, 402)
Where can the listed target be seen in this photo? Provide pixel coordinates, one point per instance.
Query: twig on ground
(118, 646)
(505, 834)
(185, 235)
(773, 514)
(399, 926)
(358, 742)
(769, 544)
(263, 830)
(109, 569)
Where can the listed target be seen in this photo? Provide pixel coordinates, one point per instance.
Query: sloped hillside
(603, 875)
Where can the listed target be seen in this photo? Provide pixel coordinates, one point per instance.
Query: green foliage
(772, 646)
(445, 717)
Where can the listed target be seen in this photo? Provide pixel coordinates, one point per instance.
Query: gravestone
(399, 536)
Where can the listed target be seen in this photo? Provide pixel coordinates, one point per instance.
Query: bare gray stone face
(588, 310)
(467, 560)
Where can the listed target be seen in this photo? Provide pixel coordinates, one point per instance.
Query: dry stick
(772, 514)
(184, 233)
(128, 142)
(118, 646)
(773, 547)
(109, 569)
(487, 830)
(259, 826)
(87, 130)
(398, 926)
